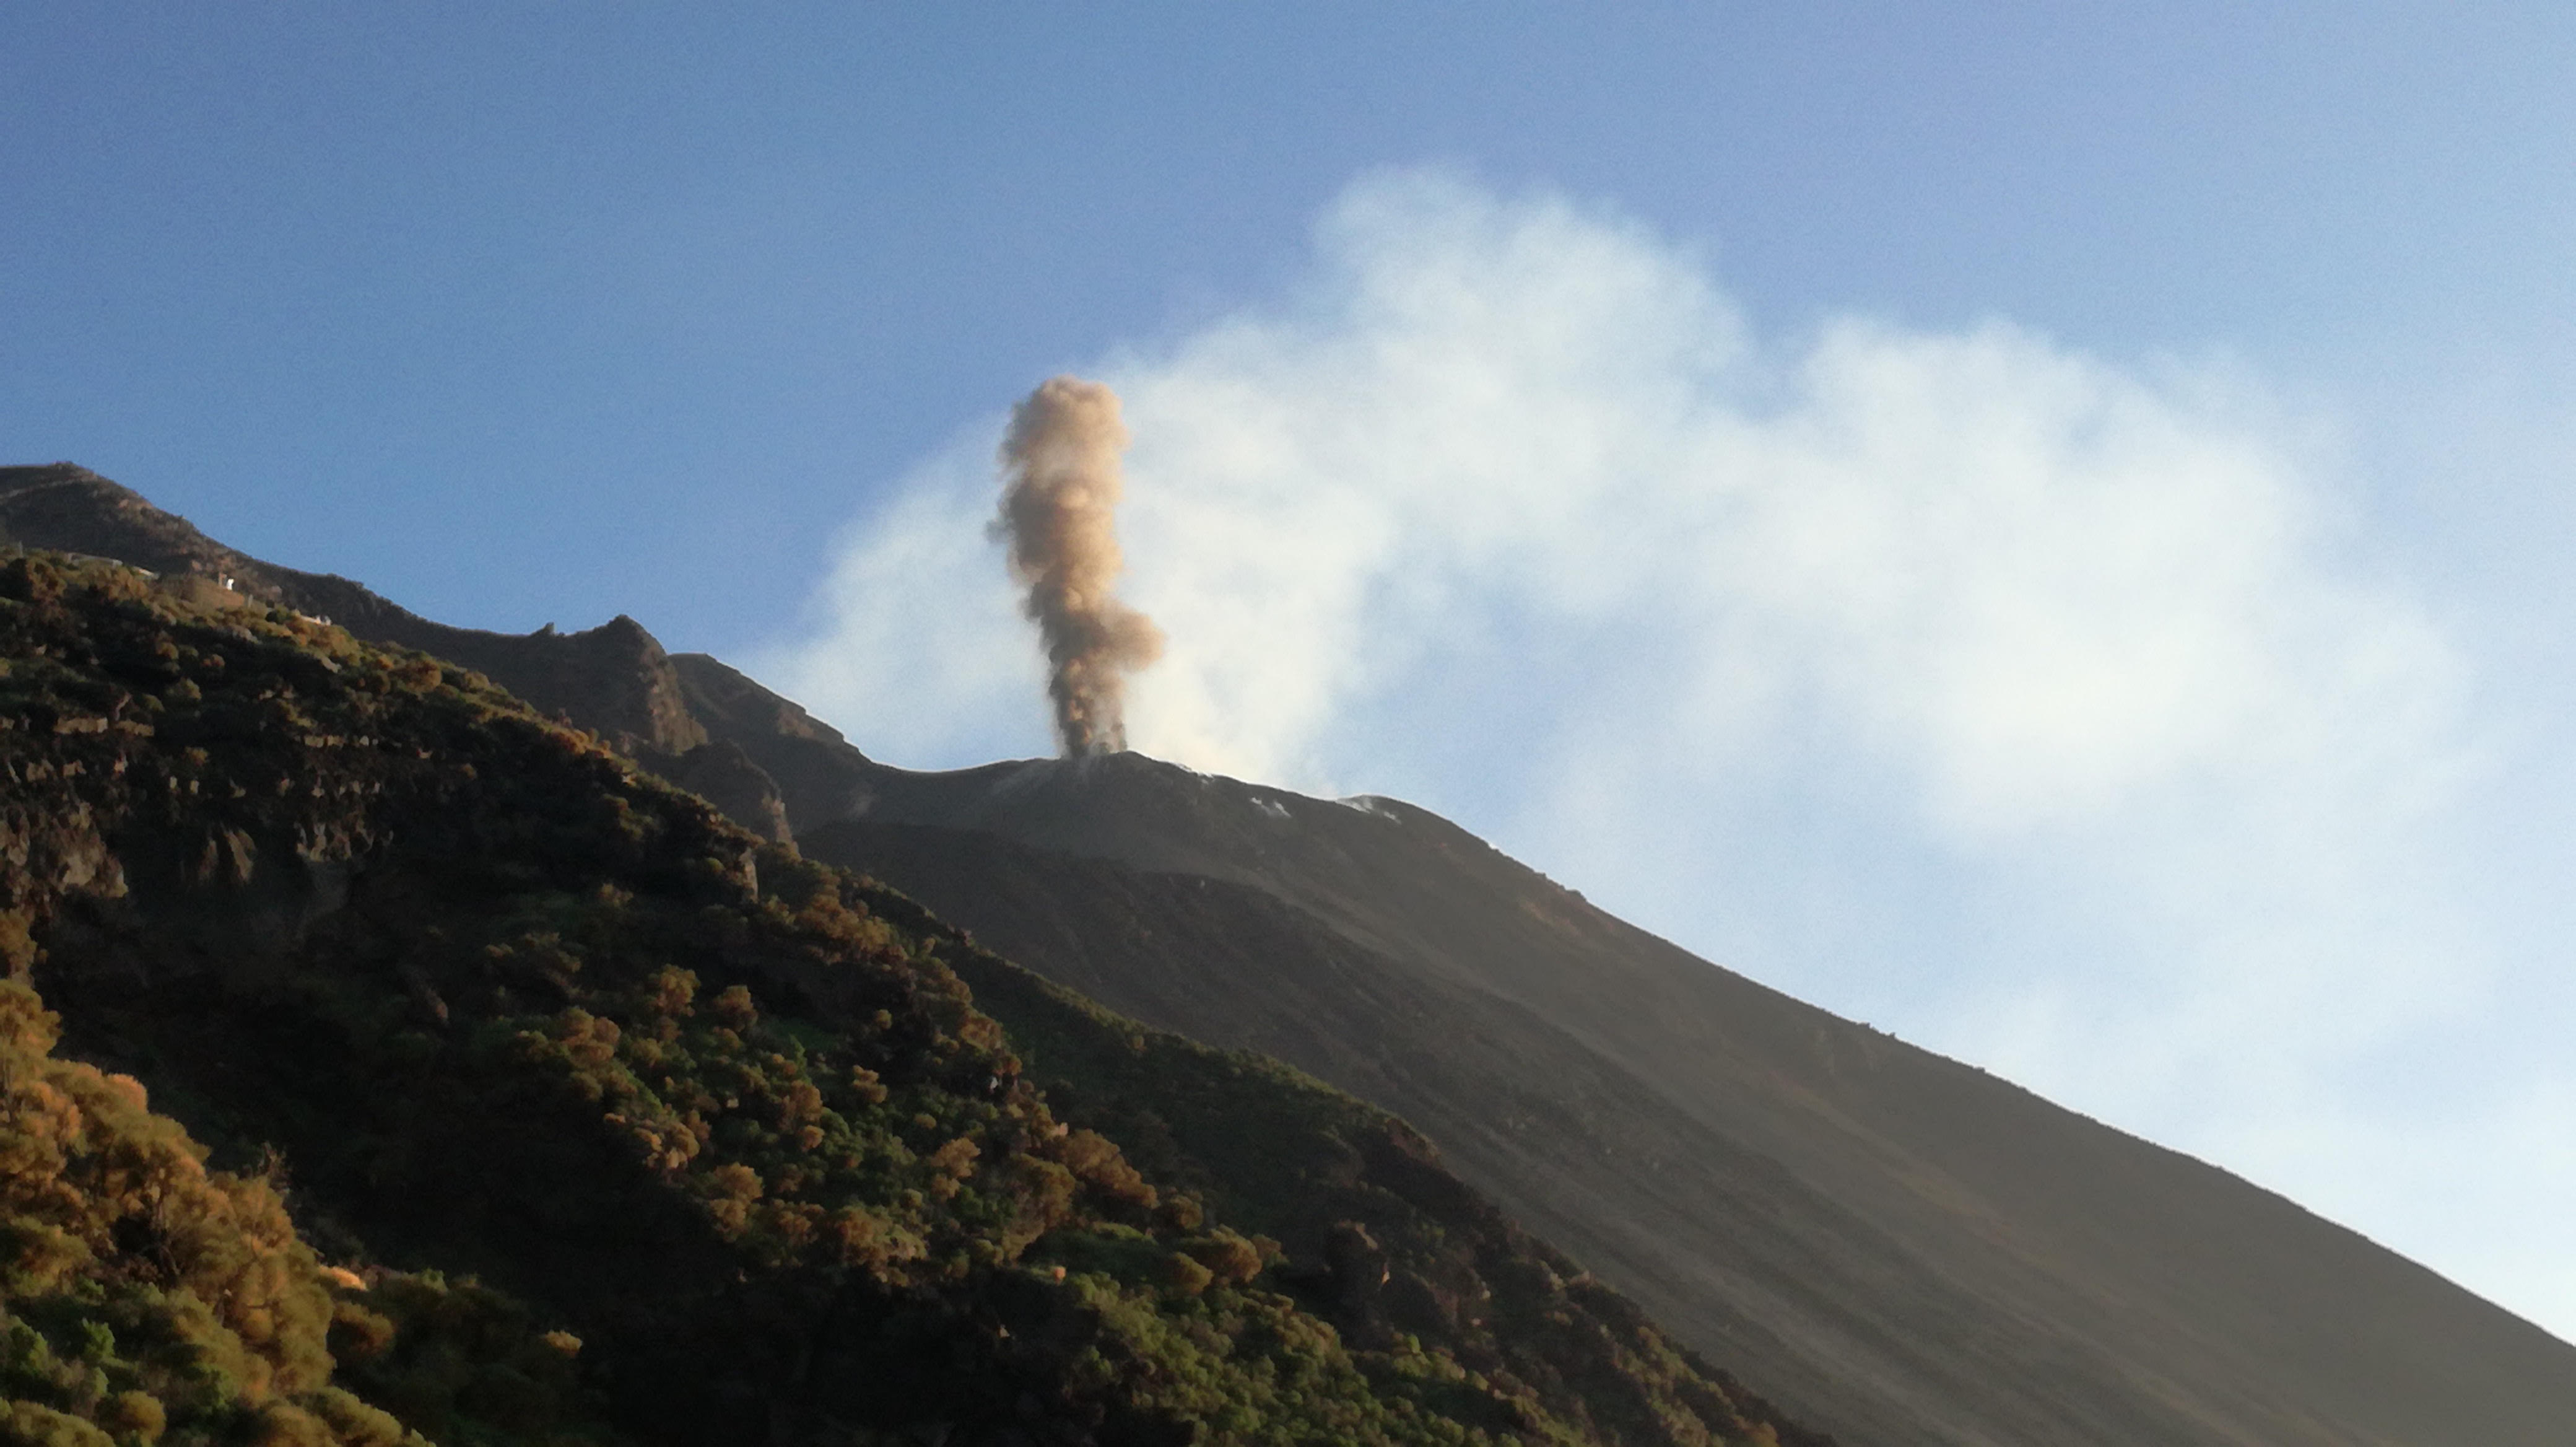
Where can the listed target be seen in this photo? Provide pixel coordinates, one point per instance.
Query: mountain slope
(1899, 1247)
(492, 1000)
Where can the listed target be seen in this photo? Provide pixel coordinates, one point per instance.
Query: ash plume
(1061, 484)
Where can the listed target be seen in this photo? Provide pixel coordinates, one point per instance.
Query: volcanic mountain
(382, 1061)
(1895, 1247)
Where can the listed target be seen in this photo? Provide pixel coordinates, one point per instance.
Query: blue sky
(602, 292)
(2037, 527)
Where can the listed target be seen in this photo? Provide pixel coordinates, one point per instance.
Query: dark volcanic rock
(819, 776)
(723, 775)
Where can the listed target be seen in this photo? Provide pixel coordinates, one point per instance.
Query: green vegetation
(147, 1299)
(615, 1120)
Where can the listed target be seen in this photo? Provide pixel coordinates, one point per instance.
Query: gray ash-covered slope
(1897, 1247)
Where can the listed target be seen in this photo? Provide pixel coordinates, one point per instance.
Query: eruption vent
(1060, 483)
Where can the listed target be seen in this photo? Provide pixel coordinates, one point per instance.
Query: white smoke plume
(2042, 705)
(1059, 497)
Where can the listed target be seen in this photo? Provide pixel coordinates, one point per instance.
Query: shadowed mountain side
(820, 776)
(1613, 1090)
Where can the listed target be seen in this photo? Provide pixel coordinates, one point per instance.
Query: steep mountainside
(819, 776)
(1901, 1248)
(722, 1131)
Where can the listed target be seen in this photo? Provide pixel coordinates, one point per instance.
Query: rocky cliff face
(819, 776)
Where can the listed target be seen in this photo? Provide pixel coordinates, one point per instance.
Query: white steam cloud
(2016, 699)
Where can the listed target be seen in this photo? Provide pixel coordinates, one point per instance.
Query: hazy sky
(2035, 528)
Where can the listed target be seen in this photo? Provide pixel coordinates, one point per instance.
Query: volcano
(1894, 1247)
